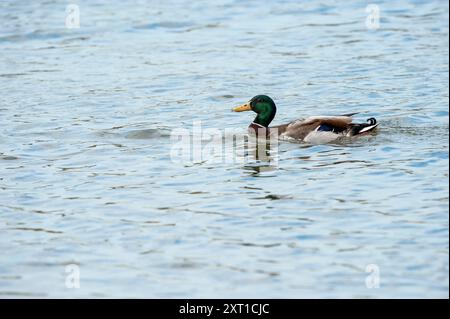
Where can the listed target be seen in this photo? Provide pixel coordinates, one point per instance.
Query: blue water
(87, 177)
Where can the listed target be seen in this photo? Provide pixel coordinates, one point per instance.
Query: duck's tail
(362, 128)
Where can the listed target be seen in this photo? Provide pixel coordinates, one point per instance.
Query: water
(86, 175)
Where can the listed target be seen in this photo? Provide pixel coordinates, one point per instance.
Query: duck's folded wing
(340, 122)
(349, 114)
(301, 128)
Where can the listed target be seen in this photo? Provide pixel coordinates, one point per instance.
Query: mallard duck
(315, 129)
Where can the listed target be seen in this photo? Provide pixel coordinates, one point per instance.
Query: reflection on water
(87, 176)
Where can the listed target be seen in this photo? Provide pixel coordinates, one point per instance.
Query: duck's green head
(263, 105)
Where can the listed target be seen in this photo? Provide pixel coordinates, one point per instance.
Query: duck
(314, 129)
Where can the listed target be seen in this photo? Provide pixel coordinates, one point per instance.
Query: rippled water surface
(87, 177)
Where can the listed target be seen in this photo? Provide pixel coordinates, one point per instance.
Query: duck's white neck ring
(257, 124)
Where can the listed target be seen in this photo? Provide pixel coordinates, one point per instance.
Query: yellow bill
(242, 108)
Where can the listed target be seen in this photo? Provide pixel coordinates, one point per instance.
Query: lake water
(88, 185)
